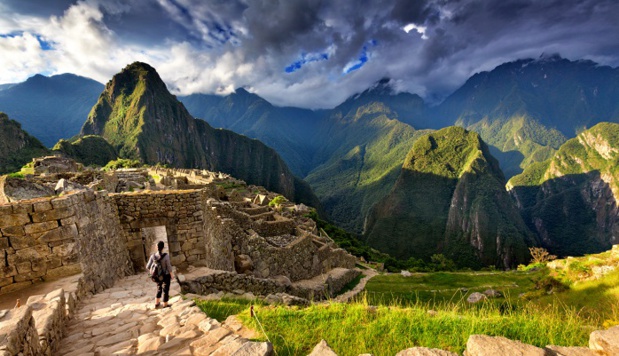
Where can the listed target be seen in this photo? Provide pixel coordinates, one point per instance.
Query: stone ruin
(212, 224)
(221, 234)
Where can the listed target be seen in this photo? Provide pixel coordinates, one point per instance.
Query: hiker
(166, 267)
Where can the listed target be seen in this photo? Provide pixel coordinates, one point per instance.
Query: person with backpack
(160, 271)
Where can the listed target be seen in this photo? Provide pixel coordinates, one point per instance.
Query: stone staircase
(118, 321)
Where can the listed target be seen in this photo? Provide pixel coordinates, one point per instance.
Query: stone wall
(18, 332)
(49, 238)
(181, 212)
(232, 232)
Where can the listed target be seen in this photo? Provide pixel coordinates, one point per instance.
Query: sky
(311, 54)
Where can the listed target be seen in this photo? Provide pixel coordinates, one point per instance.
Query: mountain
(360, 158)
(570, 200)
(527, 108)
(290, 131)
(139, 117)
(51, 108)
(87, 150)
(450, 198)
(17, 147)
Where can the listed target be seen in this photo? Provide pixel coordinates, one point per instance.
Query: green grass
(220, 310)
(444, 287)
(352, 329)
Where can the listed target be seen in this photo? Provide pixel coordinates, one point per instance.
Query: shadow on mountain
(573, 215)
(509, 161)
(471, 220)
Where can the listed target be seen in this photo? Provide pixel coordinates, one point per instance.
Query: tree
(540, 255)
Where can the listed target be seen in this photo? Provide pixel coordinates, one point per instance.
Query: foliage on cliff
(570, 199)
(17, 147)
(88, 150)
(450, 198)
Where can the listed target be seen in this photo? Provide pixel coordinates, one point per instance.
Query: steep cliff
(142, 120)
(570, 199)
(450, 198)
(17, 147)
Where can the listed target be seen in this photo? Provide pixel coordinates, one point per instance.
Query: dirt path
(367, 275)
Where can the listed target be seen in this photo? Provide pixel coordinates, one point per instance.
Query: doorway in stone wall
(151, 236)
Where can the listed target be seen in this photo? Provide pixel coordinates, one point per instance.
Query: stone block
(31, 276)
(53, 261)
(62, 202)
(40, 227)
(7, 271)
(59, 234)
(54, 214)
(482, 345)
(42, 205)
(6, 209)
(13, 220)
(571, 351)
(68, 221)
(23, 208)
(15, 286)
(4, 243)
(64, 271)
(6, 281)
(605, 340)
(13, 231)
(22, 242)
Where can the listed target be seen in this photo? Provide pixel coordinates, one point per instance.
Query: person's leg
(166, 289)
(159, 290)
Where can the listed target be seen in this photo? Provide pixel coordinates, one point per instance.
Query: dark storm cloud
(316, 53)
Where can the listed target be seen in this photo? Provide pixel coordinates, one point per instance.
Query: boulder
(289, 300)
(65, 185)
(482, 345)
(424, 351)
(553, 350)
(491, 293)
(283, 280)
(322, 349)
(605, 340)
(16, 189)
(405, 274)
(476, 297)
(243, 264)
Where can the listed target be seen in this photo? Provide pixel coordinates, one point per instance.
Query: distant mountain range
(354, 156)
(50, 108)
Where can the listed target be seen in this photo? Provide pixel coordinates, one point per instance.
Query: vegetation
(564, 194)
(540, 255)
(89, 150)
(450, 180)
(17, 147)
(277, 201)
(356, 328)
(122, 163)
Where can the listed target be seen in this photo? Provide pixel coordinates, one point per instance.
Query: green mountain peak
(450, 198)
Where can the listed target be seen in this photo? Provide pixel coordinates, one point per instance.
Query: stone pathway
(123, 321)
(367, 275)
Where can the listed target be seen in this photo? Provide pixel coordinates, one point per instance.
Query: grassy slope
(17, 147)
(366, 150)
(397, 321)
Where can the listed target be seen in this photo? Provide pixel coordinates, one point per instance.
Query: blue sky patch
(362, 60)
(305, 59)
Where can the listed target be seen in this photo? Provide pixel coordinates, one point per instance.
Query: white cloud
(420, 29)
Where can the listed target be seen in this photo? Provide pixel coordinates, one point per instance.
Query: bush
(122, 163)
(277, 201)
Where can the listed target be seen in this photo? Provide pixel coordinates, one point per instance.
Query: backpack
(156, 270)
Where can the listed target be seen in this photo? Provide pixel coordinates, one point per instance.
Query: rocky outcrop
(450, 198)
(570, 200)
(17, 147)
(143, 121)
